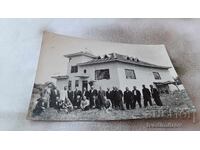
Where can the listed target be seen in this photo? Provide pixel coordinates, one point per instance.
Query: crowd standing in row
(69, 100)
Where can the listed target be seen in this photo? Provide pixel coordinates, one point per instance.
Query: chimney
(114, 55)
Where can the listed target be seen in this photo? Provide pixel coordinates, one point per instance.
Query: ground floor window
(85, 84)
(130, 74)
(157, 76)
(102, 74)
(76, 83)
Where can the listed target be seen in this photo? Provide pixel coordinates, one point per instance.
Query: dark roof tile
(114, 57)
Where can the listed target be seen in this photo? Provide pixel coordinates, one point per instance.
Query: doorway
(84, 84)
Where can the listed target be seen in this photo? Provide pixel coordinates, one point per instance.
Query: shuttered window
(130, 74)
(102, 74)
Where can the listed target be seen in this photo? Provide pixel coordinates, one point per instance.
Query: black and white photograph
(104, 69)
(83, 79)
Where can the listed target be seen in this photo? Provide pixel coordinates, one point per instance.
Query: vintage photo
(81, 79)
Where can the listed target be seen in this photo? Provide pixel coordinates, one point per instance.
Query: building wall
(144, 75)
(72, 76)
(61, 83)
(104, 83)
(75, 60)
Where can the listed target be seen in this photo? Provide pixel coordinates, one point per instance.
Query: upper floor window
(130, 74)
(85, 71)
(102, 74)
(74, 69)
(156, 75)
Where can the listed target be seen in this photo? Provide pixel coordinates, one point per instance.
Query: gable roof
(114, 57)
(81, 53)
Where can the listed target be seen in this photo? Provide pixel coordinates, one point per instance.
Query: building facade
(111, 70)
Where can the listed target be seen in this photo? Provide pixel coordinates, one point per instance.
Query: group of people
(69, 100)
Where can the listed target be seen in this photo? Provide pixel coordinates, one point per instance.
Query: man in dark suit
(128, 98)
(77, 98)
(118, 96)
(147, 96)
(100, 101)
(136, 97)
(54, 97)
(121, 103)
(71, 95)
(108, 94)
(112, 95)
(156, 96)
(86, 93)
(93, 96)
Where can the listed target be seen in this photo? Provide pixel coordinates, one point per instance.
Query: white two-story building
(112, 70)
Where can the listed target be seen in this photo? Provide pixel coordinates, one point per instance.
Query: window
(74, 69)
(85, 71)
(76, 83)
(156, 75)
(102, 74)
(130, 74)
(69, 84)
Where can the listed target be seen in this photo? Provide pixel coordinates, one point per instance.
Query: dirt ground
(176, 104)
